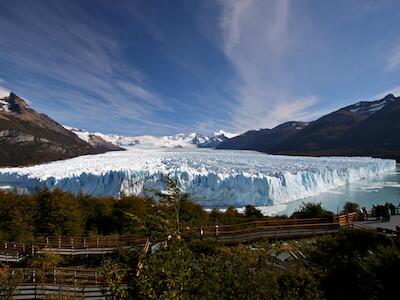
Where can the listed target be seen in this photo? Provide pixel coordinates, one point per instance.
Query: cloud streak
(256, 39)
(4, 92)
(80, 57)
(393, 62)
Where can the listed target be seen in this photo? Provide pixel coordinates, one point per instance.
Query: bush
(46, 260)
(312, 210)
(251, 212)
(351, 207)
(9, 282)
(338, 262)
(203, 247)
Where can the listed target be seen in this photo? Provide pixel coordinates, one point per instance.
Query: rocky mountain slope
(263, 139)
(28, 137)
(367, 128)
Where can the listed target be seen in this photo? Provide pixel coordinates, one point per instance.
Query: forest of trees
(349, 264)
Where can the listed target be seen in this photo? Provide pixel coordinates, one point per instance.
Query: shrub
(312, 210)
(351, 207)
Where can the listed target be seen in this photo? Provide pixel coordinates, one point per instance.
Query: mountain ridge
(366, 128)
(28, 137)
(179, 140)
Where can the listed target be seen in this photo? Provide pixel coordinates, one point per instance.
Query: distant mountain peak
(389, 97)
(367, 108)
(221, 132)
(179, 140)
(13, 104)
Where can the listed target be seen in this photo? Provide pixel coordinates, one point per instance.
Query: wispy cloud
(4, 92)
(256, 39)
(80, 58)
(394, 90)
(393, 62)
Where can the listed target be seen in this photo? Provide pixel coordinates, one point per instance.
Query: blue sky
(162, 67)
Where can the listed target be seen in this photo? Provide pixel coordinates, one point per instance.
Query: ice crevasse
(214, 178)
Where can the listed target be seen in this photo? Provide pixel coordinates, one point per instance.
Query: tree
(173, 197)
(311, 210)
(59, 213)
(46, 260)
(338, 262)
(251, 212)
(350, 207)
(114, 276)
(298, 284)
(215, 215)
(9, 281)
(17, 214)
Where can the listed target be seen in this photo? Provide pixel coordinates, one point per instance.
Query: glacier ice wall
(214, 178)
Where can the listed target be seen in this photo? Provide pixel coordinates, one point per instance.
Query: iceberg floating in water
(214, 178)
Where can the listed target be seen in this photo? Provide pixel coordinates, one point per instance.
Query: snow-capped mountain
(29, 137)
(366, 128)
(216, 139)
(367, 108)
(180, 140)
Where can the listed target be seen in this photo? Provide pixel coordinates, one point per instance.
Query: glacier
(214, 178)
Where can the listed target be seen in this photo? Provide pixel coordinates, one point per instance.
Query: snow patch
(4, 105)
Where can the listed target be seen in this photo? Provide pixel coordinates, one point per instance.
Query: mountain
(216, 139)
(28, 137)
(367, 128)
(180, 140)
(96, 141)
(263, 139)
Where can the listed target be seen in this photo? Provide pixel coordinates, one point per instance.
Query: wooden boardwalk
(39, 283)
(78, 246)
(237, 233)
(89, 283)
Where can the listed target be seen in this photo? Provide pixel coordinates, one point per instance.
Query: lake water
(378, 190)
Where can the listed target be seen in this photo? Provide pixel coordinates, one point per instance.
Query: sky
(163, 67)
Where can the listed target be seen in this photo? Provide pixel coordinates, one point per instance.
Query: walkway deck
(374, 224)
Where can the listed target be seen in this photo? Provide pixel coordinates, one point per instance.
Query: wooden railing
(347, 219)
(286, 228)
(17, 252)
(35, 283)
(272, 232)
(269, 223)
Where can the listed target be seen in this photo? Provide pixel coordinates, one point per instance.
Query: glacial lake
(378, 190)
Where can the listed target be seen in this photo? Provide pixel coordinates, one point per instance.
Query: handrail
(62, 276)
(272, 222)
(271, 228)
(114, 241)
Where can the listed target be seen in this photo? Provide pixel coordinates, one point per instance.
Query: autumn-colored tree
(9, 281)
(114, 276)
(59, 213)
(172, 198)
